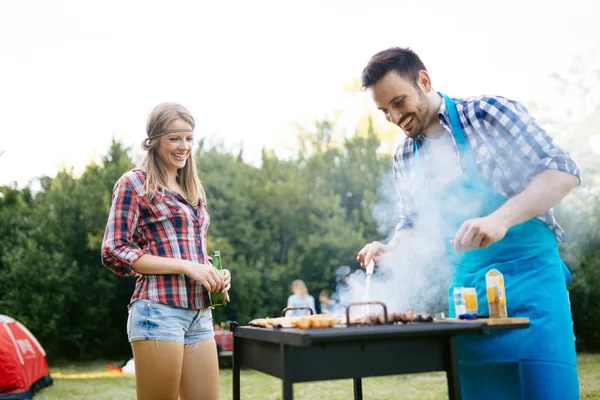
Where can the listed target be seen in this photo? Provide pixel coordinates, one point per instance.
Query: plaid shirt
(508, 147)
(166, 226)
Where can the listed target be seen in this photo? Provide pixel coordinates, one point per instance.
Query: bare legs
(200, 375)
(165, 370)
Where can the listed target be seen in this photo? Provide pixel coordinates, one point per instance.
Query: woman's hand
(207, 276)
(227, 279)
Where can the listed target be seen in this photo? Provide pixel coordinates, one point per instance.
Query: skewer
(369, 271)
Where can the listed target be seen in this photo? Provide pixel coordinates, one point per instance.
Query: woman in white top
(300, 298)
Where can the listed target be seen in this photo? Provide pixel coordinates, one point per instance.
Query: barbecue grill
(353, 352)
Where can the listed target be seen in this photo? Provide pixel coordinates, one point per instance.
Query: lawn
(94, 381)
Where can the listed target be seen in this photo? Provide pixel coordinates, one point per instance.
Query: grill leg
(235, 365)
(452, 373)
(287, 384)
(288, 390)
(357, 389)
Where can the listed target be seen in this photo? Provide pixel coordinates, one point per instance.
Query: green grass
(94, 381)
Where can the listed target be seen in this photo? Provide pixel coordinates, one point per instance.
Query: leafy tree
(52, 276)
(284, 219)
(574, 122)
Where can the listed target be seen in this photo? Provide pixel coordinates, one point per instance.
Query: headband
(159, 134)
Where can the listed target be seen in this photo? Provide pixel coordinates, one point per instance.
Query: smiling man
(491, 175)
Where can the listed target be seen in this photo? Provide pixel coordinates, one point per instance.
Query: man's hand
(543, 192)
(371, 251)
(479, 233)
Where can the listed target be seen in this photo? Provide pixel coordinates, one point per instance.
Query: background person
(300, 298)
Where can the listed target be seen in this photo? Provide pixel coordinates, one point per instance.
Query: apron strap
(459, 134)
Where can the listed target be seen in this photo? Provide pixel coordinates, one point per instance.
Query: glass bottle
(218, 299)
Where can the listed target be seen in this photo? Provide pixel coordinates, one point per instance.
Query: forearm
(155, 265)
(398, 237)
(542, 193)
(372, 251)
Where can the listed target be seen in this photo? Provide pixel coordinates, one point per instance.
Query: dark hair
(402, 60)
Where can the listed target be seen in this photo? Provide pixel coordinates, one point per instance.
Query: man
(493, 197)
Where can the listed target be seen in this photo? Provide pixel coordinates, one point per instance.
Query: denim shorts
(149, 320)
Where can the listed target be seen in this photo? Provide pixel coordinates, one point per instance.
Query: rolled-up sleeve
(406, 206)
(517, 136)
(118, 249)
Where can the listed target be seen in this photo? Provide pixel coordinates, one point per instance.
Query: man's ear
(424, 81)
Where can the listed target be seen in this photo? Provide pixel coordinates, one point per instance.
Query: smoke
(416, 274)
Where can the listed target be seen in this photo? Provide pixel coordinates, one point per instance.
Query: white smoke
(416, 274)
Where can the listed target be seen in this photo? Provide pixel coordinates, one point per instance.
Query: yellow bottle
(496, 295)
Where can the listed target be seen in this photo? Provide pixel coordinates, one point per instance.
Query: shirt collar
(443, 118)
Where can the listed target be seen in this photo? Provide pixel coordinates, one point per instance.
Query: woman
(157, 230)
(300, 298)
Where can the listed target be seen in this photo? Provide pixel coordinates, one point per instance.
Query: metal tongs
(369, 271)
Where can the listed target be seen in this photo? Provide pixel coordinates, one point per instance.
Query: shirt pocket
(162, 209)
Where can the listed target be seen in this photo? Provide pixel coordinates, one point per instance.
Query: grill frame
(352, 352)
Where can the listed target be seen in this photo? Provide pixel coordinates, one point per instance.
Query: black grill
(306, 355)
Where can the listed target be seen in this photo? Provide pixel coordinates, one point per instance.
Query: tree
(51, 275)
(574, 122)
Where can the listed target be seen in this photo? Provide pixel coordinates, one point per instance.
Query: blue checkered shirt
(508, 146)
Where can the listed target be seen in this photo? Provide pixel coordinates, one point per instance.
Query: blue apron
(535, 363)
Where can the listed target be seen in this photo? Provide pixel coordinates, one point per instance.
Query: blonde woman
(157, 230)
(300, 298)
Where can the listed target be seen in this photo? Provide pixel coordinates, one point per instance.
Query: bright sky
(76, 73)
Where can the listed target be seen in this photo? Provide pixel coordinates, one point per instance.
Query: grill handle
(385, 313)
(285, 310)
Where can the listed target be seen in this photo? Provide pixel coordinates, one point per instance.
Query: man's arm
(398, 237)
(373, 250)
(527, 154)
(522, 149)
(406, 207)
(544, 191)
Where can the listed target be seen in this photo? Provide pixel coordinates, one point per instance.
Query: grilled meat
(326, 321)
(306, 322)
(393, 317)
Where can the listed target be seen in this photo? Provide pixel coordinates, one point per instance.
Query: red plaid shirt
(166, 226)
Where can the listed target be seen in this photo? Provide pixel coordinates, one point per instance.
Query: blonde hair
(156, 174)
(299, 285)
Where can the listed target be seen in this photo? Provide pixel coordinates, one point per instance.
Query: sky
(75, 74)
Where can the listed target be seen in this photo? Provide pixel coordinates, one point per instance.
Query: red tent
(23, 366)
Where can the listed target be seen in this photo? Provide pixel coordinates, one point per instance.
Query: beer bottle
(217, 299)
